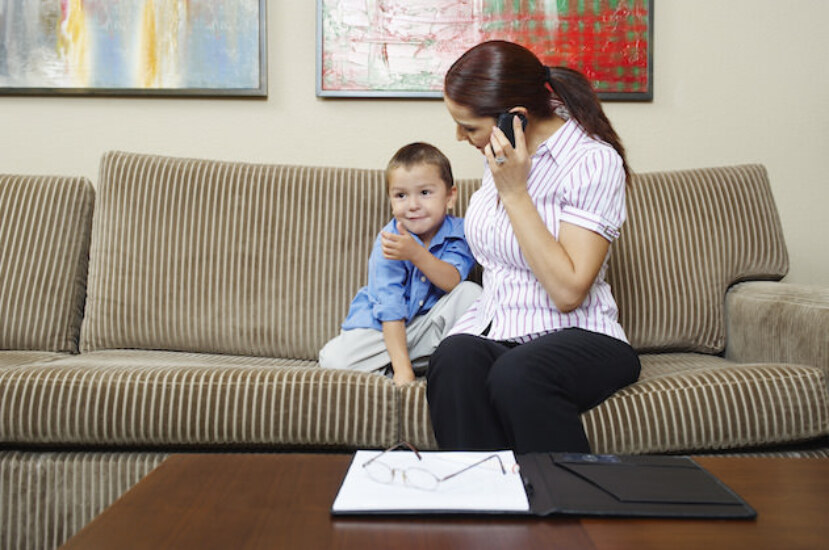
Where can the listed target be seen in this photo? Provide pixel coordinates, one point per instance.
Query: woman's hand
(510, 166)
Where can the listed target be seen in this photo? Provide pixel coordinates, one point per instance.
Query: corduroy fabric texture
(156, 398)
(48, 497)
(778, 322)
(221, 257)
(45, 226)
(684, 402)
(18, 358)
(691, 234)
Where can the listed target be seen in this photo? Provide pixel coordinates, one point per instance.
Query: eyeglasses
(415, 476)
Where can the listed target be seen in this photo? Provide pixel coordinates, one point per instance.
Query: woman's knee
(507, 380)
(515, 376)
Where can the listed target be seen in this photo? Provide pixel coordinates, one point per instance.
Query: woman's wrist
(515, 198)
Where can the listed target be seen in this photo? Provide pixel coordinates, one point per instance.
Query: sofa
(178, 305)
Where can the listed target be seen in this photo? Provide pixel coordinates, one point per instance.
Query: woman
(542, 344)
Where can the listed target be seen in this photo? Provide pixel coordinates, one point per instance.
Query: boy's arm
(394, 334)
(442, 274)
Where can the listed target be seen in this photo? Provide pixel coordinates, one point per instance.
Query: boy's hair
(421, 153)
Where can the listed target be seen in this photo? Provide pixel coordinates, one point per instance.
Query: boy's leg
(364, 349)
(361, 349)
(426, 331)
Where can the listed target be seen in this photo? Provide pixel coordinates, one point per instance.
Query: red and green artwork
(607, 40)
(403, 47)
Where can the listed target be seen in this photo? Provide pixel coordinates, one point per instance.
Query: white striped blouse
(575, 179)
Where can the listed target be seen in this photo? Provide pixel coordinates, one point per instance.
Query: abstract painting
(133, 47)
(402, 48)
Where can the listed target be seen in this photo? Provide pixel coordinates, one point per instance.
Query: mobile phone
(505, 124)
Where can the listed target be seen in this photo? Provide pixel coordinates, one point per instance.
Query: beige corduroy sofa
(178, 305)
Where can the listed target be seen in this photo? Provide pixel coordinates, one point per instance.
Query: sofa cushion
(128, 397)
(689, 236)
(685, 402)
(44, 239)
(221, 257)
(18, 358)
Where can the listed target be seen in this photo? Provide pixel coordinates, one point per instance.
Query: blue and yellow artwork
(195, 46)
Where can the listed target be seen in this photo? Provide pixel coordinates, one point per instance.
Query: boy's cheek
(397, 212)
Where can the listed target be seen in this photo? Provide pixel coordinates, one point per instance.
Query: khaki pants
(364, 349)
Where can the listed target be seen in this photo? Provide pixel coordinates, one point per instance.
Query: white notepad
(482, 489)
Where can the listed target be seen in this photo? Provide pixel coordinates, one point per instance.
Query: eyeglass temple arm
(490, 457)
(397, 446)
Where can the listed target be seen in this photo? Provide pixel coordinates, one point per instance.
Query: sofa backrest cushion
(45, 224)
(689, 236)
(227, 257)
(249, 259)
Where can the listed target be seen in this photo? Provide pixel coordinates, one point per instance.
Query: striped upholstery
(729, 407)
(221, 257)
(689, 236)
(128, 397)
(780, 322)
(48, 497)
(44, 241)
(17, 358)
(685, 402)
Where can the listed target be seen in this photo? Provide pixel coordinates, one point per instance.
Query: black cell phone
(505, 124)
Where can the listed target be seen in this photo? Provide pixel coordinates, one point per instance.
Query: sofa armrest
(778, 322)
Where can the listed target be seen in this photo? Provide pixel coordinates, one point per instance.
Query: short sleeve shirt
(397, 289)
(576, 179)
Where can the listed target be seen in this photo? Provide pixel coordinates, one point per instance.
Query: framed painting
(133, 47)
(402, 48)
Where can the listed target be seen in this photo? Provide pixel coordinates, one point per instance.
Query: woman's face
(470, 128)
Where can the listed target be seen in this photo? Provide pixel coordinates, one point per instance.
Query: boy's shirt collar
(448, 229)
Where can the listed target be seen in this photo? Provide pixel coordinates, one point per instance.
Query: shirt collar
(447, 229)
(558, 144)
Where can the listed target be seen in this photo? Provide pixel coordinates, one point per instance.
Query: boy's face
(419, 199)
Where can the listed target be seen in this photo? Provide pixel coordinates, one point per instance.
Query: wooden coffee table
(283, 501)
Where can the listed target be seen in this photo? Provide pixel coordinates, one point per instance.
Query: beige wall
(739, 81)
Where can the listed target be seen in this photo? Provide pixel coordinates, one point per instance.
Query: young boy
(416, 268)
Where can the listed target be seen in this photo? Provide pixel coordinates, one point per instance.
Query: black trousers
(486, 395)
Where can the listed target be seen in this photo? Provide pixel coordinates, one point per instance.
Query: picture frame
(402, 48)
(215, 48)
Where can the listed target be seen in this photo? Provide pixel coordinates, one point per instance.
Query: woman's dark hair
(495, 76)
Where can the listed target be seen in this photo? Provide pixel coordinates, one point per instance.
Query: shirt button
(423, 279)
(421, 302)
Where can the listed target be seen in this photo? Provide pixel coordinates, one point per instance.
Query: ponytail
(581, 101)
(496, 75)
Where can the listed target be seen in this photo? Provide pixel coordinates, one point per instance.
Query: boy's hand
(403, 377)
(400, 247)
(394, 334)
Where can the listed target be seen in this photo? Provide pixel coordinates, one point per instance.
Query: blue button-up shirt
(397, 290)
